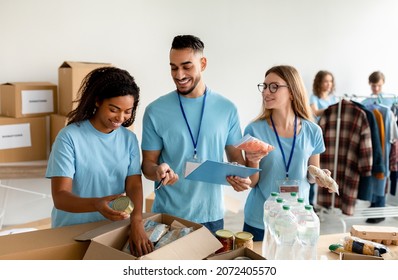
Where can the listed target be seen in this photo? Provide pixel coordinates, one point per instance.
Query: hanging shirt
(355, 155)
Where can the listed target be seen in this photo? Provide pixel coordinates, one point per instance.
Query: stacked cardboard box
(70, 77)
(25, 107)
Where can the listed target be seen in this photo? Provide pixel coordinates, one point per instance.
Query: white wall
(243, 38)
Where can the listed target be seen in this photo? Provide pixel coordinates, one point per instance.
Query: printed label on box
(15, 136)
(37, 101)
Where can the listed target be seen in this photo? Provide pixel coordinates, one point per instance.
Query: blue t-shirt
(309, 141)
(165, 130)
(98, 163)
(323, 103)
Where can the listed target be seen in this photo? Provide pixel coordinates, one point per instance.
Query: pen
(160, 184)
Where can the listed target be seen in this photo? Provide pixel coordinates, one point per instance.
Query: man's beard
(183, 93)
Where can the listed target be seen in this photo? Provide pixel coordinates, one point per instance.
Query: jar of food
(244, 239)
(227, 239)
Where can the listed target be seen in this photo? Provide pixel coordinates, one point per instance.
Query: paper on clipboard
(216, 172)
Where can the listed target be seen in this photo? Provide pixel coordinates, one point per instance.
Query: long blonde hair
(300, 103)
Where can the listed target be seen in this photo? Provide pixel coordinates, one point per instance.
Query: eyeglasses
(273, 87)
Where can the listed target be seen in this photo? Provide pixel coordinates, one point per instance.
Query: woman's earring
(95, 110)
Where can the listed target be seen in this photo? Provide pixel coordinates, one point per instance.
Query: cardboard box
(57, 122)
(23, 139)
(353, 256)
(70, 77)
(46, 244)
(28, 99)
(240, 252)
(107, 242)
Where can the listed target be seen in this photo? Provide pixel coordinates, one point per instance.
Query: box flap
(240, 252)
(72, 64)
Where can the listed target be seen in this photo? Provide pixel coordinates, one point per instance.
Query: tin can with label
(123, 203)
(227, 239)
(244, 239)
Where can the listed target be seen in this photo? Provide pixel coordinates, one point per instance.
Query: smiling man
(191, 124)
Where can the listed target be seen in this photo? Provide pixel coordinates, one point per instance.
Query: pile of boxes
(32, 113)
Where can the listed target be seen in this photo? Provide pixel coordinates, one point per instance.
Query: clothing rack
(370, 212)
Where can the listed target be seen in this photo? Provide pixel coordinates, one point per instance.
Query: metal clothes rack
(373, 212)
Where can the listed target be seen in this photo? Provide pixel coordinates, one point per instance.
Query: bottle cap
(123, 203)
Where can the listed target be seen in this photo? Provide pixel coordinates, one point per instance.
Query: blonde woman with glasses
(286, 122)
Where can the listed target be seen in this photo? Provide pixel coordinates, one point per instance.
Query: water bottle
(308, 234)
(269, 247)
(298, 206)
(285, 234)
(270, 202)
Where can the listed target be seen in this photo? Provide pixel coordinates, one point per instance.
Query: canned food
(244, 239)
(123, 203)
(227, 238)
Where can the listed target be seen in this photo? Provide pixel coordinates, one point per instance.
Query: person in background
(187, 126)
(286, 123)
(96, 159)
(322, 97)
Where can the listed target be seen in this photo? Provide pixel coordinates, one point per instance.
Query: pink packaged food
(251, 144)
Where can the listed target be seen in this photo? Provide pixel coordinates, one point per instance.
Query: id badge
(190, 165)
(288, 186)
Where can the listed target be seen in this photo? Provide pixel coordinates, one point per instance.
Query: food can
(244, 239)
(227, 238)
(123, 203)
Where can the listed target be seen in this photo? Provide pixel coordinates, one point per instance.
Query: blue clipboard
(216, 172)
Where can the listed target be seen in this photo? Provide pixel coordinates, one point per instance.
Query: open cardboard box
(46, 244)
(107, 242)
(240, 252)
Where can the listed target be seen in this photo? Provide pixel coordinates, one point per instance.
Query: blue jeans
(258, 234)
(214, 226)
(312, 194)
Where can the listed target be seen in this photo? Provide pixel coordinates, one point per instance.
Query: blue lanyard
(280, 144)
(195, 143)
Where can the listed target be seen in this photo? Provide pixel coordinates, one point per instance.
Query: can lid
(244, 235)
(224, 233)
(123, 203)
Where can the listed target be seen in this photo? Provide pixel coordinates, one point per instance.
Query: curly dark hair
(103, 83)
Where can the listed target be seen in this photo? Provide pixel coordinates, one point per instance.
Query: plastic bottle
(270, 202)
(298, 206)
(308, 234)
(269, 250)
(285, 234)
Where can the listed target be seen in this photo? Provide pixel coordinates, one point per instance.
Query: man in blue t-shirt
(187, 126)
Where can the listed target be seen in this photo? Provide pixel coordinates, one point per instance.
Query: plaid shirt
(354, 153)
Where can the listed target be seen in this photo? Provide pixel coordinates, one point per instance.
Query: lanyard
(195, 143)
(280, 145)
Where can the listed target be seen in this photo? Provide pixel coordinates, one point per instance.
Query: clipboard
(216, 172)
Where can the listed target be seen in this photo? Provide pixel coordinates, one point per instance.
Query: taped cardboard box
(70, 77)
(239, 253)
(108, 241)
(23, 139)
(28, 99)
(46, 244)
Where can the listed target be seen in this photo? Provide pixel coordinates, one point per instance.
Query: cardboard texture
(107, 242)
(70, 77)
(379, 234)
(28, 99)
(240, 252)
(57, 122)
(46, 244)
(23, 139)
